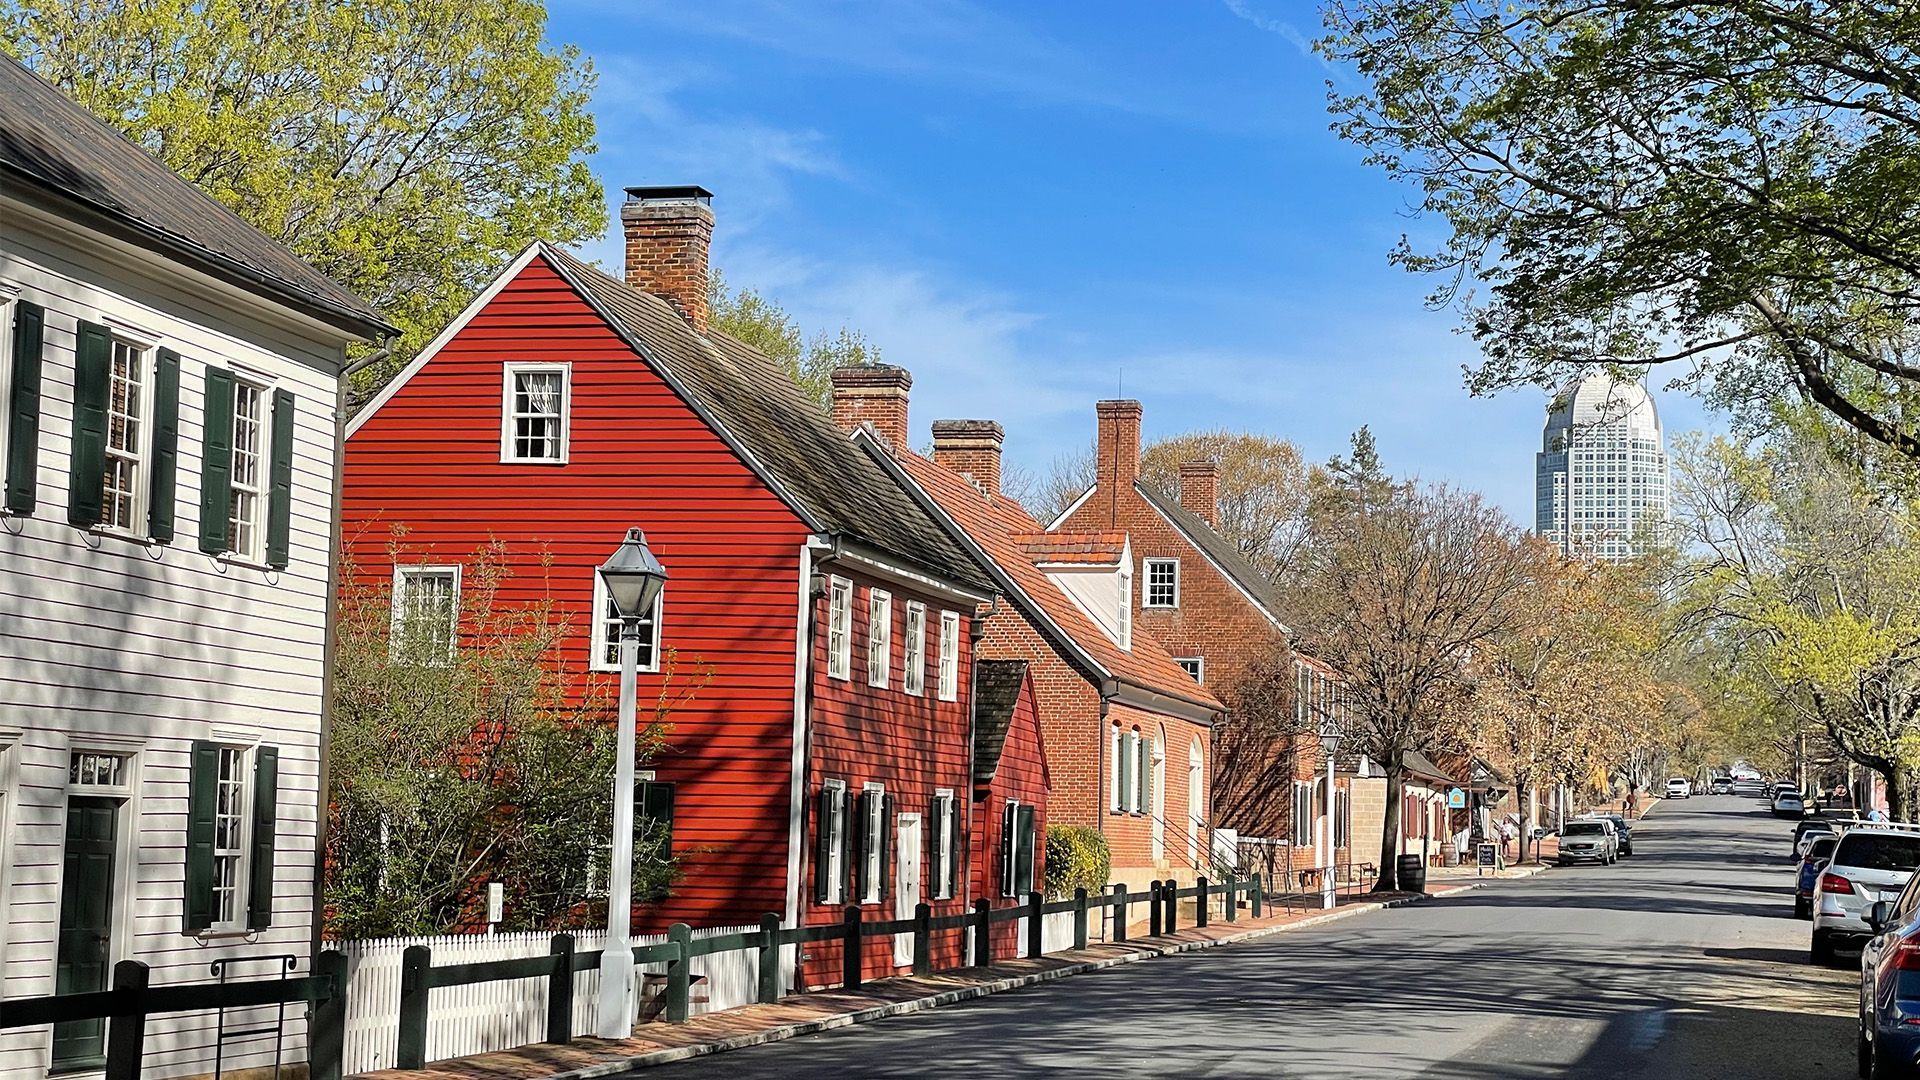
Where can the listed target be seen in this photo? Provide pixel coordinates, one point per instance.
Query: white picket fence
(484, 1017)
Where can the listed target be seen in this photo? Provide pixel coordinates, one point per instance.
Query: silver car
(1589, 840)
(1870, 863)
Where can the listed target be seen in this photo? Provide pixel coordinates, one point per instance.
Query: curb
(980, 990)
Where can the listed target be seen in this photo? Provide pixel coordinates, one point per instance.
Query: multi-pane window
(840, 628)
(873, 844)
(914, 678)
(607, 623)
(1118, 771)
(97, 770)
(830, 838)
(426, 613)
(1018, 842)
(946, 833)
(949, 655)
(1193, 665)
(879, 636)
(1143, 758)
(1302, 832)
(248, 476)
(535, 425)
(1126, 606)
(229, 829)
(126, 436)
(1163, 583)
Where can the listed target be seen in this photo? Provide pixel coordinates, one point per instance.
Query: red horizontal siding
(427, 467)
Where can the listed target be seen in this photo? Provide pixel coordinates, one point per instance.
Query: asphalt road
(1682, 961)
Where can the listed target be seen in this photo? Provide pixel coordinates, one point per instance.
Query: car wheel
(1883, 1066)
(1821, 952)
(1802, 907)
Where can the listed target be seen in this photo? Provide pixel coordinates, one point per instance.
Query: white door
(906, 894)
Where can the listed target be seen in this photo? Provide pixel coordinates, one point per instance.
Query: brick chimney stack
(669, 230)
(874, 395)
(972, 449)
(1200, 490)
(1117, 451)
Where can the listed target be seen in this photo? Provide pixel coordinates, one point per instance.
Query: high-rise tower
(1601, 475)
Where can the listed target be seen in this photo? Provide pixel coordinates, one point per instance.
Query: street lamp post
(633, 580)
(1329, 744)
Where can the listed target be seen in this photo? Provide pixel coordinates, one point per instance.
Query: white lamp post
(1329, 745)
(634, 579)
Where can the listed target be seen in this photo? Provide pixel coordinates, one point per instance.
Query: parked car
(1789, 804)
(1819, 853)
(1870, 863)
(1589, 840)
(1888, 1042)
(1722, 785)
(1679, 787)
(1807, 828)
(1623, 832)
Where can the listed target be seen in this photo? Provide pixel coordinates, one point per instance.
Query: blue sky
(1034, 206)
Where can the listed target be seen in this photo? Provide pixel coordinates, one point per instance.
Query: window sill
(223, 933)
(110, 532)
(244, 564)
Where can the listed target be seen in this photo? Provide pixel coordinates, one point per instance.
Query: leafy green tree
(751, 317)
(1730, 185)
(406, 148)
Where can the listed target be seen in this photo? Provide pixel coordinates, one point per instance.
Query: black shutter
(202, 791)
(166, 445)
(280, 495)
(1007, 822)
(656, 807)
(885, 861)
(862, 813)
(1023, 859)
(955, 848)
(823, 846)
(23, 410)
(266, 805)
(92, 372)
(937, 832)
(216, 461)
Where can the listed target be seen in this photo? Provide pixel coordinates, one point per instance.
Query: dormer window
(1126, 607)
(535, 399)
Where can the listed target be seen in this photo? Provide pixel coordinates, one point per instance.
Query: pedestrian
(1876, 814)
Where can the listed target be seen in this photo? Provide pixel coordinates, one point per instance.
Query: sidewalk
(805, 1014)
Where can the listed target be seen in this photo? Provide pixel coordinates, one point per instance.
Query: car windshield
(1822, 848)
(1878, 851)
(1586, 828)
(1789, 798)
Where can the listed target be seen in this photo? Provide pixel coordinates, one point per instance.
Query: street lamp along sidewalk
(1329, 745)
(633, 580)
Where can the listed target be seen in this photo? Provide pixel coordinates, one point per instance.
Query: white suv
(1871, 862)
(1679, 788)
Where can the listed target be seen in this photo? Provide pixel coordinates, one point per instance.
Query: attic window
(534, 403)
(1163, 584)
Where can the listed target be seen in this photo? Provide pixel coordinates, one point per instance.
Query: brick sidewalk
(804, 1014)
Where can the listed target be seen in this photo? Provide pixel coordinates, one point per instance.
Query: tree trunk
(1520, 791)
(1900, 792)
(1389, 879)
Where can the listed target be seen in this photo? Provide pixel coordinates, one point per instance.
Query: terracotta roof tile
(1084, 548)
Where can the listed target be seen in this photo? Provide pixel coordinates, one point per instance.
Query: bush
(1077, 858)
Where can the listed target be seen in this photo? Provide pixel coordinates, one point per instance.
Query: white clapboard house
(168, 446)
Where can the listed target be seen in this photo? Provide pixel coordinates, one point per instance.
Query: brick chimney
(1200, 489)
(668, 232)
(1117, 452)
(874, 395)
(972, 449)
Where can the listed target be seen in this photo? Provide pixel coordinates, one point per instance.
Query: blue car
(1811, 864)
(1889, 1038)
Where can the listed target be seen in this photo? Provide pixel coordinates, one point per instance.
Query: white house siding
(106, 642)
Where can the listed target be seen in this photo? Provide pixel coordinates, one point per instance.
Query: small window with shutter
(830, 843)
(232, 811)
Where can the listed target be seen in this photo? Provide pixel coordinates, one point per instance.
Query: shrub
(1077, 858)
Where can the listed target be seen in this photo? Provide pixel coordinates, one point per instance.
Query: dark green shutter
(202, 793)
(1008, 819)
(216, 461)
(823, 846)
(266, 804)
(280, 497)
(937, 832)
(166, 445)
(956, 849)
(885, 861)
(1023, 858)
(860, 842)
(23, 410)
(92, 372)
(656, 807)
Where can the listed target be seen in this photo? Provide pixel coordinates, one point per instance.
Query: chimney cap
(968, 429)
(1200, 467)
(1117, 407)
(670, 193)
(879, 375)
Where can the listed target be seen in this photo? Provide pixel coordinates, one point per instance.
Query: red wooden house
(823, 615)
(1010, 789)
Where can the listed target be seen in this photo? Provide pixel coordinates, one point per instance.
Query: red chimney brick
(1118, 454)
(1200, 489)
(669, 230)
(874, 395)
(970, 448)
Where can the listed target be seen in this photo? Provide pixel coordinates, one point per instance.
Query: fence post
(679, 973)
(923, 939)
(850, 955)
(414, 965)
(1120, 912)
(1232, 904)
(1154, 916)
(1200, 902)
(1036, 921)
(560, 990)
(1258, 887)
(327, 1031)
(1079, 918)
(1170, 896)
(769, 959)
(127, 1031)
(982, 932)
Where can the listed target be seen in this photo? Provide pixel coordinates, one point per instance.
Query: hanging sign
(1456, 799)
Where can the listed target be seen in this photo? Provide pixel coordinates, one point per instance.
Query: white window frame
(1198, 670)
(597, 648)
(262, 450)
(914, 679)
(945, 843)
(509, 380)
(1147, 567)
(835, 870)
(1126, 606)
(1302, 831)
(949, 656)
(400, 602)
(142, 454)
(234, 891)
(1117, 770)
(1142, 767)
(875, 824)
(879, 637)
(839, 628)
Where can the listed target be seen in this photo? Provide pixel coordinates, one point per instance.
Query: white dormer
(1102, 589)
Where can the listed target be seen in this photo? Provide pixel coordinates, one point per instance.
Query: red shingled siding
(429, 463)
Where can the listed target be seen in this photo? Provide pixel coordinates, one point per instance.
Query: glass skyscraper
(1600, 485)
